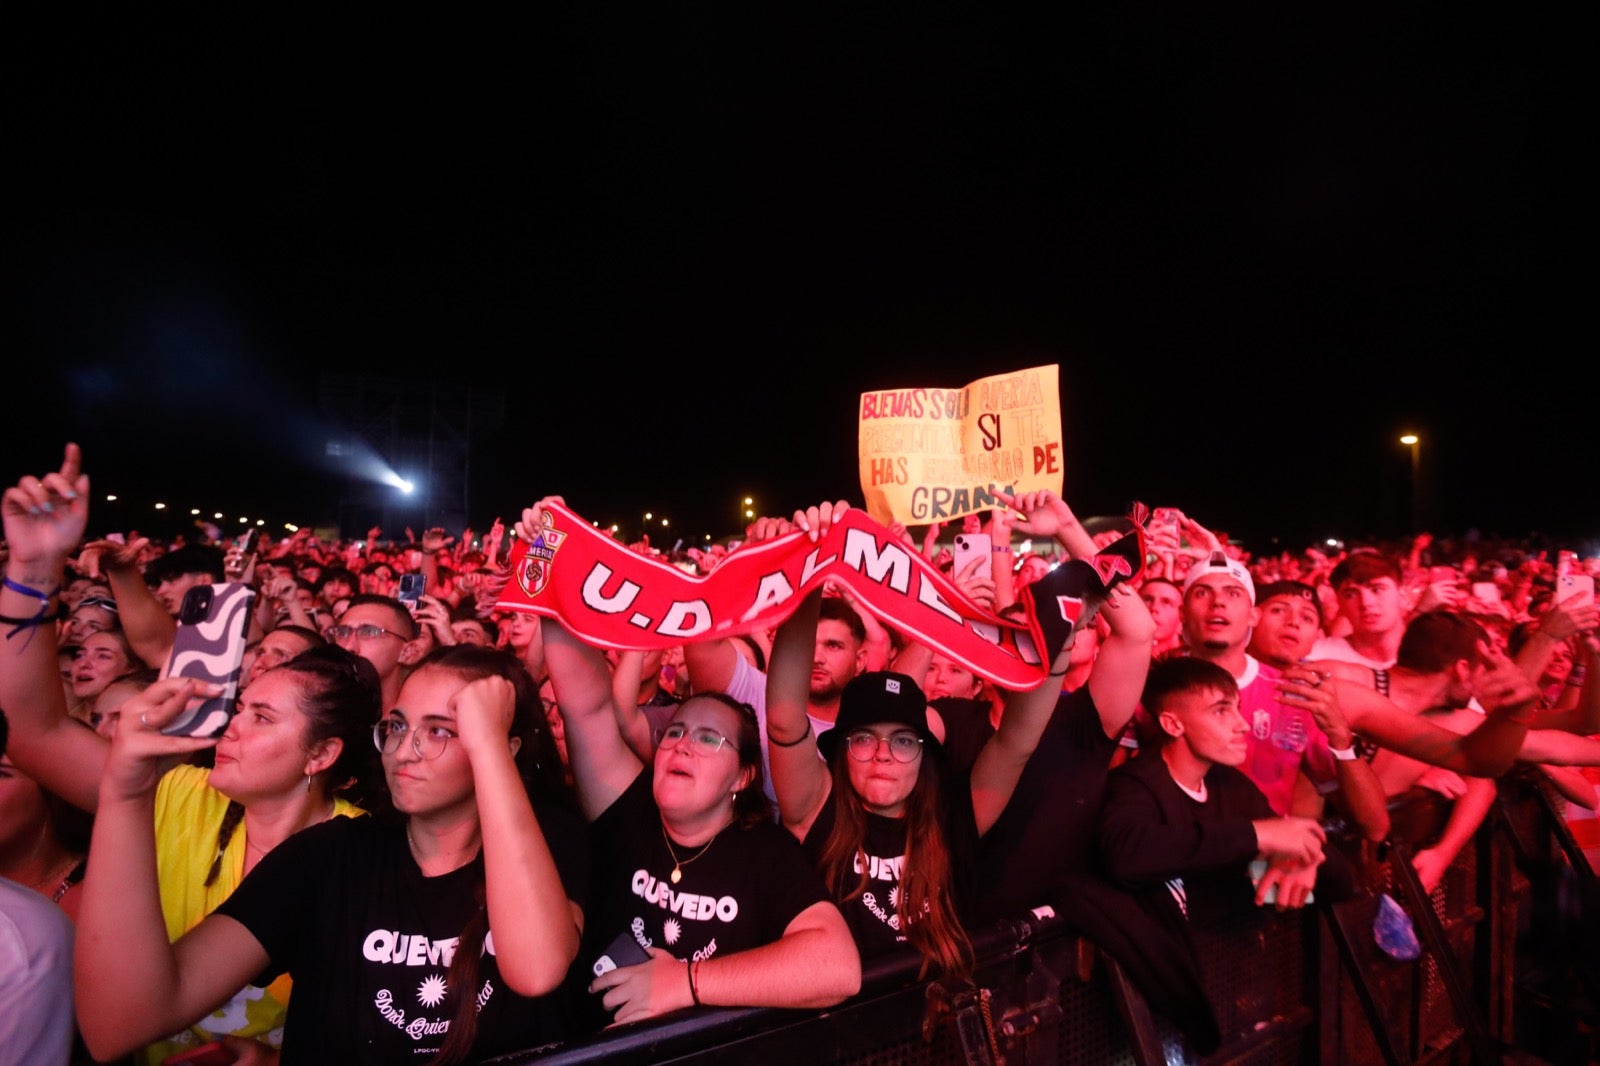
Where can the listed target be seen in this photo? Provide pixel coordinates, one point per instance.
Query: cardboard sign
(933, 454)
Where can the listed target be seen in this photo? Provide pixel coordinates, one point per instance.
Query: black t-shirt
(966, 729)
(1047, 830)
(874, 916)
(739, 891)
(344, 909)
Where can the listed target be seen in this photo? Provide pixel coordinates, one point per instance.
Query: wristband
(694, 992)
(1001, 549)
(1344, 754)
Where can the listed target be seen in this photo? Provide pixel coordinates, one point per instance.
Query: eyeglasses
(100, 602)
(703, 740)
(428, 743)
(368, 631)
(904, 747)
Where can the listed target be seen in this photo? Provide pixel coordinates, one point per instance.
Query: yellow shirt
(189, 813)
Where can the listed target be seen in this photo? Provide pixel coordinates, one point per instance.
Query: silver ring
(1320, 679)
(142, 720)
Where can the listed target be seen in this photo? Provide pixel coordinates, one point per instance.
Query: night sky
(679, 243)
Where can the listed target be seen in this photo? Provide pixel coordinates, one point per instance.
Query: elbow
(844, 979)
(1376, 830)
(106, 1041)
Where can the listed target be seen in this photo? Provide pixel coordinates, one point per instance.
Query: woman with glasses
(436, 937)
(891, 829)
(298, 752)
(699, 898)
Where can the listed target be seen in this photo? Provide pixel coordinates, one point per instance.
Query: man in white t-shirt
(1368, 586)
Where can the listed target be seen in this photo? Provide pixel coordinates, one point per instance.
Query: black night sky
(680, 241)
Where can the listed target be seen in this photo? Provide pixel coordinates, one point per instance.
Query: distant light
(216, 514)
(663, 521)
(261, 521)
(614, 527)
(1330, 542)
(405, 486)
(749, 513)
(161, 507)
(291, 527)
(1409, 438)
(648, 516)
(708, 536)
(112, 498)
(748, 501)
(194, 510)
(242, 518)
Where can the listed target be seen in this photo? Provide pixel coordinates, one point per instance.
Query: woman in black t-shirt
(900, 828)
(700, 898)
(366, 915)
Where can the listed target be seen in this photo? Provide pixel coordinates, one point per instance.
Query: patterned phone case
(209, 646)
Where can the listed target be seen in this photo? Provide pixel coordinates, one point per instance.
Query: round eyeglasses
(904, 747)
(428, 742)
(703, 740)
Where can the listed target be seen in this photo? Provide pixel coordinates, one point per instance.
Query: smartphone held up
(213, 624)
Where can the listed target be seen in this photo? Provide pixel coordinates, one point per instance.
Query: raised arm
(150, 629)
(603, 765)
(800, 778)
(132, 986)
(1362, 791)
(631, 722)
(44, 519)
(536, 926)
(1116, 681)
(1488, 751)
(1000, 762)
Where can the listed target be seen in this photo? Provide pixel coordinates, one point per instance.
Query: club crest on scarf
(533, 572)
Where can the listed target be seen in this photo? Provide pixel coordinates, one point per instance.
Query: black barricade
(1309, 987)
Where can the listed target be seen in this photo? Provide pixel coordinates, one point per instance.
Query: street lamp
(1414, 442)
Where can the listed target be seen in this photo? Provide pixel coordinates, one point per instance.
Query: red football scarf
(612, 597)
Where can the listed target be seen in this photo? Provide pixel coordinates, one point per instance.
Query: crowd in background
(457, 830)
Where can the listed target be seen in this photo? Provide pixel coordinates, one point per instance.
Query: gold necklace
(677, 866)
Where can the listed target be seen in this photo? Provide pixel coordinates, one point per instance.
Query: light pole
(1415, 443)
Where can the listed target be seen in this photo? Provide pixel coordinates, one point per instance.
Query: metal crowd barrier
(1310, 987)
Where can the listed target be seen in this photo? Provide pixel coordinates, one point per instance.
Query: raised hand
(483, 710)
(99, 557)
(45, 517)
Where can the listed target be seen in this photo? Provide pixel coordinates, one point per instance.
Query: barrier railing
(1308, 987)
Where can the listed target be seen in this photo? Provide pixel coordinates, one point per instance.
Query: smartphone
(1258, 870)
(1164, 520)
(1575, 590)
(209, 646)
(970, 546)
(412, 586)
(623, 951)
(212, 1054)
(247, 551)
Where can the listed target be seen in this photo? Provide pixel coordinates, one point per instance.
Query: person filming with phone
(298, 753)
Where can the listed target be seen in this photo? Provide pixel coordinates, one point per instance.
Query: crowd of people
(436, 829)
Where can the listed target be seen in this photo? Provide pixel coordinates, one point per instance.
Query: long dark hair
(539, 765)
(927, 908)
